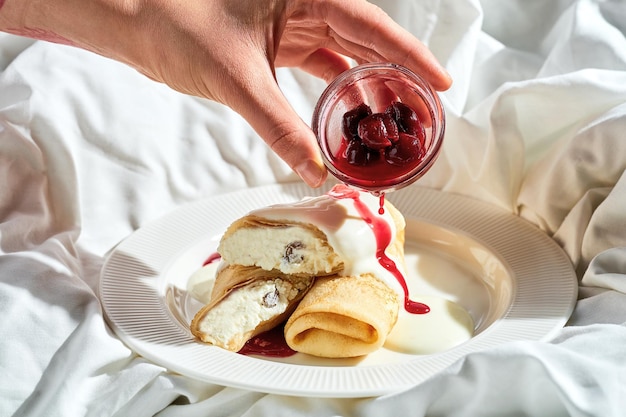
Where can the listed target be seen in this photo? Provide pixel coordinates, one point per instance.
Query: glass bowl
(379, 126)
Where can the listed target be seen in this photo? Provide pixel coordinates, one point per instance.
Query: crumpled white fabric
(90, 151)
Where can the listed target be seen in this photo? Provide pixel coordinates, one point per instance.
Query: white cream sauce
(445, 326)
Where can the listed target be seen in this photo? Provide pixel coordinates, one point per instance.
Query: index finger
(366, 31)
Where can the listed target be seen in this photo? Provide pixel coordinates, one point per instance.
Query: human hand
(227, 51)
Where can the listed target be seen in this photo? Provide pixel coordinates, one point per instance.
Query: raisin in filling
(291, 256)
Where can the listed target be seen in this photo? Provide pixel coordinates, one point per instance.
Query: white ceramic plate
(514, 281)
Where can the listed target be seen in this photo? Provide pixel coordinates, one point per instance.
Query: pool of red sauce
(272, 343)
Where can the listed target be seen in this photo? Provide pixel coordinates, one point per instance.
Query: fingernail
(311, 172)
(449, 80)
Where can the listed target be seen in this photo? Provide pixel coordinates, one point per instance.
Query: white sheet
(90, 151)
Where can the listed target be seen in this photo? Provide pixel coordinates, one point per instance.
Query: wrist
(99, 26)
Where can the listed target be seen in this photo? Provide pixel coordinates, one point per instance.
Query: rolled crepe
(286, 245)
(348, 316)
(342, 317)
(245, 302)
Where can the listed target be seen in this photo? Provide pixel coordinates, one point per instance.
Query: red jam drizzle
(382, 232)
(381, 203)
(271, 343)
(214, 257)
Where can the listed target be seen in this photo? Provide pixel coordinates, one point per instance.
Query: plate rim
(318, 380)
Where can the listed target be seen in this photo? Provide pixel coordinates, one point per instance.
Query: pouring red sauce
(383, 235)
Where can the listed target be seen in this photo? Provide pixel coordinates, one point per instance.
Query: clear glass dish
(354, 150)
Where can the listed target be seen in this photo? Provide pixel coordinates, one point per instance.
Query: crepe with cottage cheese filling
(245, 302)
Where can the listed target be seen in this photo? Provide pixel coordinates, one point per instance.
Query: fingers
(368, 34)
(325, 64)
(259, 100)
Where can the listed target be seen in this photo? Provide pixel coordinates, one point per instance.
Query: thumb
(261, 102)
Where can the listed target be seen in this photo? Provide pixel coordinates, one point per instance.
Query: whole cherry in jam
(358, 154)
(350, 120)
(373, 133)
(406, 118)
(407, 149)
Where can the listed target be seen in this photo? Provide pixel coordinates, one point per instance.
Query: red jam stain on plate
(271, 343)
(214, 257)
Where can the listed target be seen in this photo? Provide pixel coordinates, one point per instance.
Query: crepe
(245, 302)
(343, 317)
(347, 316)
(288, 246)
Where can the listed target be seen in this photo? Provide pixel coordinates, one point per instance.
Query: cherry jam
(379, 126)
(383, 146)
